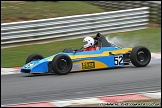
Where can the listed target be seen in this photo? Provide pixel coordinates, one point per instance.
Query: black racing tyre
(140, 56)
(61, 64)
(34, 57)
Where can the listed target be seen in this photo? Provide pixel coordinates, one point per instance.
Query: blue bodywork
(101, 58)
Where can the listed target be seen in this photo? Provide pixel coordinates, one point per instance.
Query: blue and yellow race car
(73, 60)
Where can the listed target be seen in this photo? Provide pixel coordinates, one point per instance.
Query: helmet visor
(85, 42)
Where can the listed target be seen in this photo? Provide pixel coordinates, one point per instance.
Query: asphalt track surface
(18, 88)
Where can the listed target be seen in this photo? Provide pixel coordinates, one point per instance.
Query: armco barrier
(154, 7)
(77, 26)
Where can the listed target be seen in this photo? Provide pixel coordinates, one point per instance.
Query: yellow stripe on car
(87, 65)
(105, 53)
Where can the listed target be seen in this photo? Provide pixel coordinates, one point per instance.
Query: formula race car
(72, 60)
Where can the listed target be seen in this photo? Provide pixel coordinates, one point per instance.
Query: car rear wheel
(140, 56)
(62, 64)
(34, 57)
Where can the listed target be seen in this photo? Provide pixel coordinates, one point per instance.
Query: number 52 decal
(118, 60)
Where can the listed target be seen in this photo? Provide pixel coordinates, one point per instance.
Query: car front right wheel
(140, 56)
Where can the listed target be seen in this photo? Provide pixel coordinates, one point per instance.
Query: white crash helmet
(88, 41)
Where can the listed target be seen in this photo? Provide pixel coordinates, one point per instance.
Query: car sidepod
(103, 58)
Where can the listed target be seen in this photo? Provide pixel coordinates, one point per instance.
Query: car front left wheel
(34, 57)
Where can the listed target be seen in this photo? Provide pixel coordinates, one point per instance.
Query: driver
(88, 44)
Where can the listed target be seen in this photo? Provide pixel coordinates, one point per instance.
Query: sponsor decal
(76, 67)
(88, 65)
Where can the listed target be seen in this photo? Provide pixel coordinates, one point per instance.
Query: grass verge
(22, 10)
(150, 37)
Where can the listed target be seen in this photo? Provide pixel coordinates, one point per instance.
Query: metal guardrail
(77, 25)
(154, 7)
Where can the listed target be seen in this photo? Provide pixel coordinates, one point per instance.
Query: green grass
(150, 37)
(16, 56)
(22, 10)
